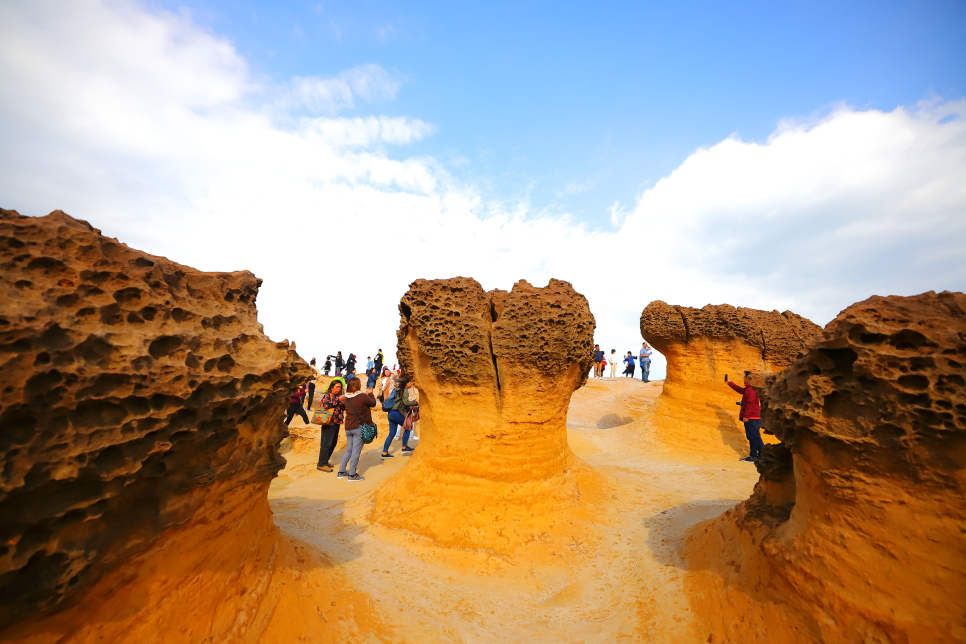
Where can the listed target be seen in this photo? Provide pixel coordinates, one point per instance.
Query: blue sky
(773, 156)
(574, 106)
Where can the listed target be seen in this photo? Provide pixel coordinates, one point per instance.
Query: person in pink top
(750, 415)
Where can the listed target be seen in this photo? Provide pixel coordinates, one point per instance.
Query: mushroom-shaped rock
(495, 372)
(696, 411)
(855, 530)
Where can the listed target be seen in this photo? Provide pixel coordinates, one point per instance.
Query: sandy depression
(149, 491)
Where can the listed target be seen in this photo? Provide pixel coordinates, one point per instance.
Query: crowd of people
(346, 402)
(642, 359)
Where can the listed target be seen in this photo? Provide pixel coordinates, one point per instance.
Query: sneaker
(356, 477)
(341, 475)
(386, 455)
(408, 449)
(748, 459)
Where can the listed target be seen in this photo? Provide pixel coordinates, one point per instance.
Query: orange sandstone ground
(611, 575)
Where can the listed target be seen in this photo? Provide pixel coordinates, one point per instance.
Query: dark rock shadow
(732, 434)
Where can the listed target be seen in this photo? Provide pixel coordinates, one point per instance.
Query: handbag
(322, 416)
(367, 431)
(411, 418)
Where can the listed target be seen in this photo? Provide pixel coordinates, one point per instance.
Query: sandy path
(623, 582)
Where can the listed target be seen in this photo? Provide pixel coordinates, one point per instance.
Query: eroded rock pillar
(696, 411)
(495, 372)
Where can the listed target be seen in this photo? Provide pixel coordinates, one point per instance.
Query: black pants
(330, 436)
(311, 394)
(295, 408)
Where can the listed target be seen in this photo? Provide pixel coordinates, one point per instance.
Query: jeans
(330, 436)
(353, 448)
(395, 420)
(296, 408)
(372, 380)
(646, 369)
(752, 428)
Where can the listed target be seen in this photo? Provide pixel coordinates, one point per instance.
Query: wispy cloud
(370, 83)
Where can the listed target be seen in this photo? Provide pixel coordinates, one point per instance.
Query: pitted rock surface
(780, 337)
(865, 492)
(127, 380)
(470, 335)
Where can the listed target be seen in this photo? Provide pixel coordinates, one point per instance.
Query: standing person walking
(358, 406)
(598, 362)
(403, 403)
(629, 361)
(311, 392)
(339, 363)
(613, 363)
(750, 416)
(645, 362)
(295, 406)
(331, 399)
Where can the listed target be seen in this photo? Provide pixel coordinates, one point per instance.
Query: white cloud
(155, 131)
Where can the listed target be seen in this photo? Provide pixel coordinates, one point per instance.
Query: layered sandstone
(495, 372)
(141, 415)
(696, 412)
(855, 531)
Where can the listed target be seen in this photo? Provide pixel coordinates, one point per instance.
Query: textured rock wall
(855, 532)
(495, 373)
(696, 412)
(131, 387)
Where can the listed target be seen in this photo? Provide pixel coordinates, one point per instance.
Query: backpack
(390, 402)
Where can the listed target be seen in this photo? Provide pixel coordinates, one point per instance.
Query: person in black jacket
(339, 363)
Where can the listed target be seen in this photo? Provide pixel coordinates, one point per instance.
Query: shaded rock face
(130, 384)
(696, 409)
(866, 491)
(495, 372)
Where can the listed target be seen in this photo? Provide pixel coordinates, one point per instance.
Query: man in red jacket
(750, 415)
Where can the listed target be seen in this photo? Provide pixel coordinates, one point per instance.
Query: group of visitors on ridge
(644, 357)
(344, 402)
(750, 414)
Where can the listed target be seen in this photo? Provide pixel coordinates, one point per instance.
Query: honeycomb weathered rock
(866, 492)
(702, 346)
(127, 382)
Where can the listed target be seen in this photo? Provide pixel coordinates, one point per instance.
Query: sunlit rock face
(696, 412)
(138, 395)
(855, 532)
(495, 372)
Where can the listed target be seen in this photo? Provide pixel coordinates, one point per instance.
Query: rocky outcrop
(495, 372)
(141, 414)
(855, 530)
(696, 412)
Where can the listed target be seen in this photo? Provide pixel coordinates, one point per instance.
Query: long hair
(333, 384)
(354, 385)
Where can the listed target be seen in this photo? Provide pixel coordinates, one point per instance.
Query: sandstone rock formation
(140, 415)
(696, 411)
(855, 532)
(495, 372)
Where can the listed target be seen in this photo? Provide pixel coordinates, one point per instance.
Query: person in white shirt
(612, 362)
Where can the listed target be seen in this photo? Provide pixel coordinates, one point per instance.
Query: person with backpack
(331, 399)
(358, 407)
(750, 416)
(380, 359)
(295, 406)
(398, 405)
(339, 363)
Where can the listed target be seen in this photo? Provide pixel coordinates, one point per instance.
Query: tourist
(598, 362)
(613, 363)
(312, 362)
(350, 365)
(387, 382)
(358, 406)
(629, 361)
(295, 406)
(750, 415)
(339, 363)
(373, 375)
(405, 401)
(379, 361)
(370, 365)
(331, 399)
(645, 362)
(327, 367)
(311, 392)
